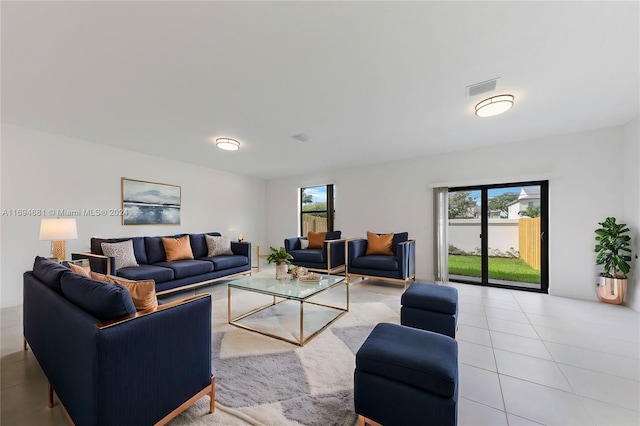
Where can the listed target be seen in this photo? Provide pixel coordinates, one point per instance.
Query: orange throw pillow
(379, 244)
(143, 293)
(177, 248)
(82, 270)
(99, 277)
(316, 239)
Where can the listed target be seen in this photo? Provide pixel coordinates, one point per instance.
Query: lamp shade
(494, 105)
(58, 229)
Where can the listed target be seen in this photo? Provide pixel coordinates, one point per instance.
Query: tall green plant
(612, 244)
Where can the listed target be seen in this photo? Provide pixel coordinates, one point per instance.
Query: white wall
(396, 197)
(631, 216)
(45, 171)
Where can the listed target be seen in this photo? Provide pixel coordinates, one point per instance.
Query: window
(316, 209)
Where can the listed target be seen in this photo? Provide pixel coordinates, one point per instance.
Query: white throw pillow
(123, 252)
(218, 245)
(304, 243)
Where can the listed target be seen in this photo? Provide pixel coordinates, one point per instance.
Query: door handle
(542, 236)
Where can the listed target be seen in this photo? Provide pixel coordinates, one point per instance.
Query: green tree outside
(461, 205)
(315, 207)
(501, 202)
(531, 211)
(306, 198)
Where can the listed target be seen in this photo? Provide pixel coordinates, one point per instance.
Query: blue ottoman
(430, 307)
(406, 376)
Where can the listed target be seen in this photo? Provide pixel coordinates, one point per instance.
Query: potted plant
(281, 258)
(614, 254)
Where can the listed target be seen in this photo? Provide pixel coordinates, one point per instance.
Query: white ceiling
(369, 82)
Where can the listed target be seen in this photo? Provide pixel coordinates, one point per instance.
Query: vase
(281, 271)
(611, 290)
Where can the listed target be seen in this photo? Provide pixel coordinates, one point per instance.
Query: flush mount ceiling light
(227, 144)
(494, 105)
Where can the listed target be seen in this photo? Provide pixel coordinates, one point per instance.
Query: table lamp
(56, 231)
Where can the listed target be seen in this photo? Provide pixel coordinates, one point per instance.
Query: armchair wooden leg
(213, 395)
(50, 396)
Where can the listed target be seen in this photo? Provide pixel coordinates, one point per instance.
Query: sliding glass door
(465, 235)
(497, 235)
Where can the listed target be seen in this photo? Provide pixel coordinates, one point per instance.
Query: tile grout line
(544, 343)
(493, 352)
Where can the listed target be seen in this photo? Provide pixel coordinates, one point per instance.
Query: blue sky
(318, 193)
(499, 191)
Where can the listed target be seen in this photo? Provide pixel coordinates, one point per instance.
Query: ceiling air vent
(301, 137)
(483, 87)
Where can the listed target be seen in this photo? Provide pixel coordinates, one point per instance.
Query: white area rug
(264, 381)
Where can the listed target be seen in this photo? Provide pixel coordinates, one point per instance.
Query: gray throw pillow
(123, 252)
(304, 243)
(218, 246)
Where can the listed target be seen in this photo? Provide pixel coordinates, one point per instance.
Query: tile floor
(525, 359)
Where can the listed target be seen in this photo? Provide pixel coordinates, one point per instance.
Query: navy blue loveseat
(107, 363)
(176, 275)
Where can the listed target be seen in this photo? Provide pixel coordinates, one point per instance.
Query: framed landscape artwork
(150, 203)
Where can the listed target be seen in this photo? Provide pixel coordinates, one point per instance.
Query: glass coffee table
(291, 310)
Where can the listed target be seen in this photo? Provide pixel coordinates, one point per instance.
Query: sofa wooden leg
(24, 343)
(363, 421)
(66, 415)
(212, 405)
(50, 396)
(208, 390)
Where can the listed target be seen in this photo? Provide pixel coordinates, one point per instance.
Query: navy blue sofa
(176, 275)
(329, 259)
(401, 267)
(110, 369)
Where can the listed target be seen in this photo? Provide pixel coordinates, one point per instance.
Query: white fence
(464, 234)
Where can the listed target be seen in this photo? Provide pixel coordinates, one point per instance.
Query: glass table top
(291, 289)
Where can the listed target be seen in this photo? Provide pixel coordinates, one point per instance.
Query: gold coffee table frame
(288, 290)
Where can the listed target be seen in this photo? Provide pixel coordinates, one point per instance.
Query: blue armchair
(396, 266)
(328, 260)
